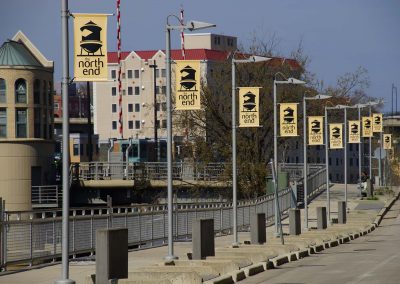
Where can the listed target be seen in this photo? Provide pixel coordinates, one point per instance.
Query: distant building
(26, 121)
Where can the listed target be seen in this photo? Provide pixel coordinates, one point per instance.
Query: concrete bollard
(342, 212)
(203, 238)
(111, 255)
(258, 233)
(294, 222)
(321, 218)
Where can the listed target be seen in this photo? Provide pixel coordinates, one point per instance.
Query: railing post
(73, 233)
(54, 237)
(31, 239)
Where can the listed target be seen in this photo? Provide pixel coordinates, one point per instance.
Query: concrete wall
(17, 159)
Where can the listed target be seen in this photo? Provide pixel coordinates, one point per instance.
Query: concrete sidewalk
(245, 256)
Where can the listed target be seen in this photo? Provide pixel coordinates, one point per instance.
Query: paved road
(372, 259)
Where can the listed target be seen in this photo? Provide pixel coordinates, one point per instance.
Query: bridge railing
(30, 237)
(296, 170)
(147, 171)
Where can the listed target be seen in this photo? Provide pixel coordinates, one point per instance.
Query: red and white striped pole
(182, 35)
(119, 70)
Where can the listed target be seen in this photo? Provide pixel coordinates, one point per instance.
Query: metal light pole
(305, 172)
(191, 26)
(65, 145)
(276, 82)
(154, 66)
(328, 201)
(234, 162)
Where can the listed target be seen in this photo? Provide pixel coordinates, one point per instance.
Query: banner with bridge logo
(367, 126)
(249, 99)
(387, 141)
(187, 84)
(90, 47)
(354, 131)
(336, 136)
(288, 119)
(377, 122)
(315, 130)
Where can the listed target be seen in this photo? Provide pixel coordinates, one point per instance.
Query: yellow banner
(288, 119)
(249, 99)
(354, 131)
(377, 122)
(387, 141)
(367, 126)
(315, 130)
(335, 136)
(90, 47)
(187, 95)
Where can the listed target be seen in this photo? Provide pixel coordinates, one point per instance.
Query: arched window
(20, 91)
(36, 92)
(2, 90)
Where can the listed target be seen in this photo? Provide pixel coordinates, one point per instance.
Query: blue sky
(338, 36)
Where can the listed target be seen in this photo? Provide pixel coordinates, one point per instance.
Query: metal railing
(34, 237)
(46, 196)
(147, 171)
(296, 170)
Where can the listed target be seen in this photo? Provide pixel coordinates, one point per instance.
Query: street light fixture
(276, 82)
(191, 26)
(251, 59)
(305, 174)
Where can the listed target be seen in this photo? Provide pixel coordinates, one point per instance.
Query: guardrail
(35, 236)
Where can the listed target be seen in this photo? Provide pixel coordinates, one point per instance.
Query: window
(157, 73)
(130, 107)
(158, 105)
(20, 121)
(136, 73)
(164, 106)
(137, 107)
(137, 124)
(137, 90)
(130, 124)
(37, 124)
(114, 108)
(297, 159)
(164, 123)
(337, 161)
(157, 124)
(114, 125)
(49, 93)
(114, 91)
(163, 89)
(2, 90)
(351, 162)
(130, 91)
(318, 160)
(129, 74)
(337, 177)
(76, 149)
(113, 74)
(20, 91)
(330, 161)
(3, 122)
(81, 149)
(351, 147)
(163, 73)
(36, 92)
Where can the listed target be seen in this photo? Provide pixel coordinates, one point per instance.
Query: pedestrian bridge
(104, 174)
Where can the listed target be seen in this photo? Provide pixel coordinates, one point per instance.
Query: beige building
(26, 121)
(138, 81)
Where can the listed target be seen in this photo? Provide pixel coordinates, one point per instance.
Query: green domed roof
(16, 54)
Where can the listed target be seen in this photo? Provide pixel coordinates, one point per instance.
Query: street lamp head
(196, 25)
(256, 58)
(322, 97)
(295, 81)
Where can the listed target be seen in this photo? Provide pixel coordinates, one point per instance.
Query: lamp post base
(170, 257)
(64, 281)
